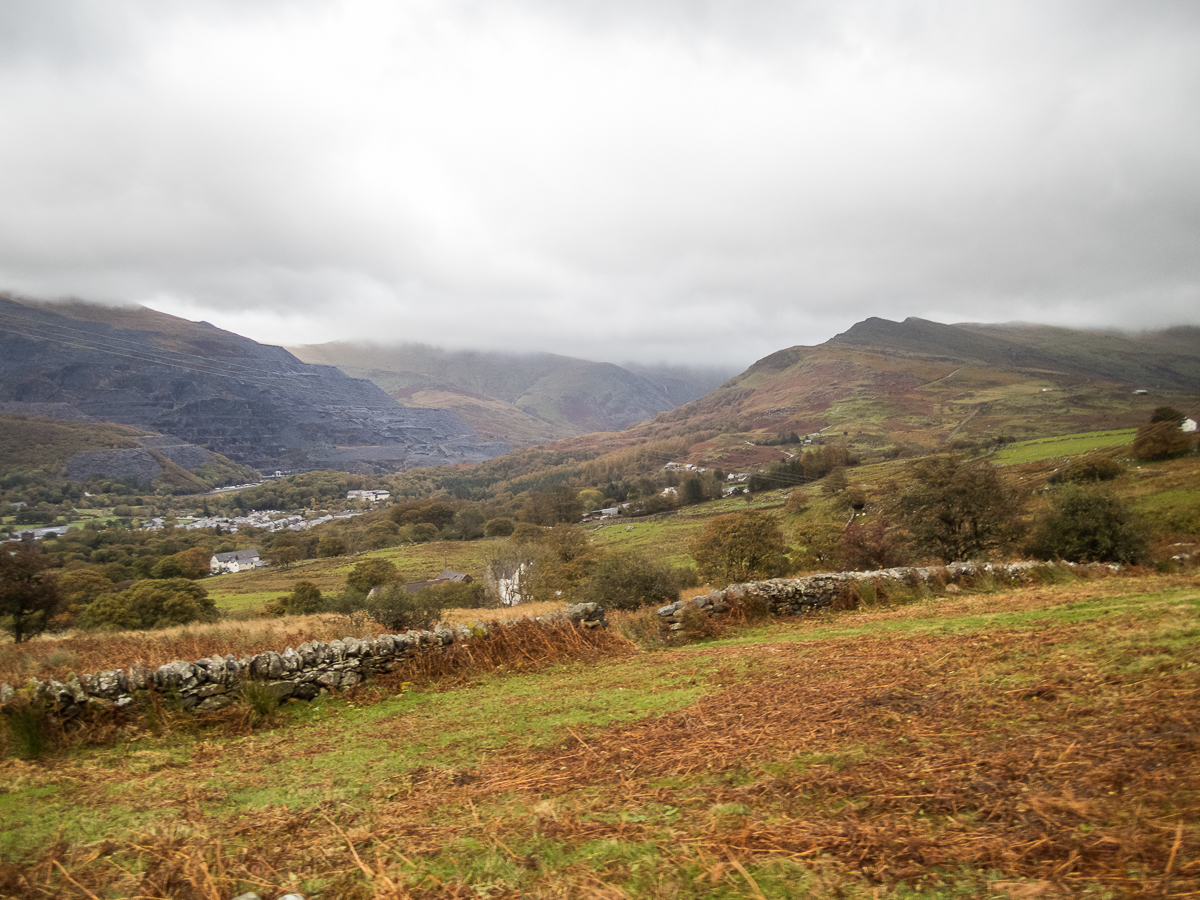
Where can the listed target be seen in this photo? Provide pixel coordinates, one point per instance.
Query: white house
(235, 561)
(372, 496)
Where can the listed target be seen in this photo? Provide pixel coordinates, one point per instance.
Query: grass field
(1038, 743)
(1066, 445)
(415, 562)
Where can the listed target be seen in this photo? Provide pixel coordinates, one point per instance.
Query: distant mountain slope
(913, 385)
(255, 403)
(35, 449)
(521, 399)
(1164, 359)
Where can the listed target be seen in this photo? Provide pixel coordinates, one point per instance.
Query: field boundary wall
(312, 669)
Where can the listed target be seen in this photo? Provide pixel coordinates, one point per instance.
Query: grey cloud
(615, 179)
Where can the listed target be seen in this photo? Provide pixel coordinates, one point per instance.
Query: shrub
(1089, 470)
(1161, 437)
(1089, 524)
(641, 626)
(371, 573)
(262, 703)
(305, 598)
(740, 547)
(28, 732)
(151, 604)
(499, 527)
(797, 503)
(627, 579)
(871, 546)
(398, 610)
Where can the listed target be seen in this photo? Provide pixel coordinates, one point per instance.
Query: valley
(885, 746)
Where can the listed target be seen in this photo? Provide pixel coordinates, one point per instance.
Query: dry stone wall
(301, 673)
(796, 596)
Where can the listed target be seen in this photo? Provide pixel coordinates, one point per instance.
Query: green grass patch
(708, 770)
(1066, 445)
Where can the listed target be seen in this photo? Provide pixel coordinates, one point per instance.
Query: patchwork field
(1066, 445)
(1034, 743)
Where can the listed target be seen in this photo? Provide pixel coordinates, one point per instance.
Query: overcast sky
(652, 180)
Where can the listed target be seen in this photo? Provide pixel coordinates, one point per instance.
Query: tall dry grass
(97, 652)
(502, 613)
(59, 657)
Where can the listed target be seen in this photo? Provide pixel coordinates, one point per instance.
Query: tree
(527, 533)
(958, 511)
(78, 589)
(626, 579)
(835, 481)
(564, 561)
(691, 491)
(371, 573)
(421, 532)
(740, 547)
(304, 599)
(331, 545)
(867, 547)
(193, 563)
(1086, 523)
(1162, 437)
(468, 524)
(590, 498)
(817, 546)
(285, 557)
(167, 567)
(29, 596)
(499, 527)
(153, 603)
(398, 610)
(559, 504)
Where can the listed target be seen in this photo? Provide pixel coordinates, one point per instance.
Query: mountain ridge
(525, 398)
(911, 386)
(254, 403)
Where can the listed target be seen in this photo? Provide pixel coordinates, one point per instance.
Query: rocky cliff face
(256, 404)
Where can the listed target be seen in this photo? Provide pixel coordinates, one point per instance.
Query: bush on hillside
(1089, 524)
(1088, 471)
(396, 609)
(957, 510)
(153, 603)
(371, 573)
(626, 579)
(740, 547)
(1162, 437)
(304, 599)
(499, 527)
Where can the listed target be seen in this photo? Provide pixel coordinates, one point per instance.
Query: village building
(370, 496)
(235, 561)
